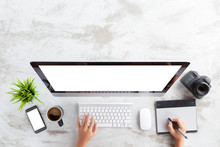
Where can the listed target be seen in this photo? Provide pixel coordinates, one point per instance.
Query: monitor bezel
(36, 64)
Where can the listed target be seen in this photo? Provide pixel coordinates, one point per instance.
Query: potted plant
(25, 94)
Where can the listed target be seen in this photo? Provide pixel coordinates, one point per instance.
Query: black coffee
(54, 117)
(54, 114)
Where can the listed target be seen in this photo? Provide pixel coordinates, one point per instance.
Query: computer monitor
(114, 78)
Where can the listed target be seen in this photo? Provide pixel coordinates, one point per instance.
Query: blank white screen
(35, 119)
(109, 78)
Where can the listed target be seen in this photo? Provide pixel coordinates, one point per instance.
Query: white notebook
(185, 109)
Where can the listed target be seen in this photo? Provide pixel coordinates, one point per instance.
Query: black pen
(175, 126)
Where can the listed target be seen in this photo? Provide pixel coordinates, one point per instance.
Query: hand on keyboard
(86, 130)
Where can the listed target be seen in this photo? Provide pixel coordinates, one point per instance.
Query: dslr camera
(198, 85)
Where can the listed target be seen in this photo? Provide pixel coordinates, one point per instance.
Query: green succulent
(25, 94)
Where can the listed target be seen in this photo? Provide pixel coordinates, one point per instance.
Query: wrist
(81, 143)
(179, 143)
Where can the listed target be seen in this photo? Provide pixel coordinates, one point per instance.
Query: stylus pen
(175, 126)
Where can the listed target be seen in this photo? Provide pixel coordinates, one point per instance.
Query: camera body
(198, 85)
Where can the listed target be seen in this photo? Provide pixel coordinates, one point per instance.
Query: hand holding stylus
(176, 133)
(177, 127)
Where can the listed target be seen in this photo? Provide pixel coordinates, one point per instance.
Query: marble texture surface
(102, 30)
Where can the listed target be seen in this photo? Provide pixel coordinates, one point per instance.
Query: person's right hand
(85, 130)
(175, 133)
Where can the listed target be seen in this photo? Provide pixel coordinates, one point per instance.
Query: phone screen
(35, 119)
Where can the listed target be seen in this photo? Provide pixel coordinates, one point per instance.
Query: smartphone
(36, 119)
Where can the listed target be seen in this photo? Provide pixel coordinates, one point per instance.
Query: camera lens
(202, 88)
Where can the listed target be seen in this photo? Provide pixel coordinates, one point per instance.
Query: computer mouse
(145, 119)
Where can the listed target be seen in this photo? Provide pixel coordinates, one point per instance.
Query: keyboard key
(128, 117)
(104, 125)
(127, 121)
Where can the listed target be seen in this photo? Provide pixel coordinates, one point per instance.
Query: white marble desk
(123, 30)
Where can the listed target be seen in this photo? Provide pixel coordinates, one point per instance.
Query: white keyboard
(107, 114)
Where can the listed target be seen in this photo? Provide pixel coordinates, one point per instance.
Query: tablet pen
(175, 126)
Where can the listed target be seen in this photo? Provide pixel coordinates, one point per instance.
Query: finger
(91, 124)
(170, 128)
(184, 123)
(86, 121)
(78, 122)
(95, 129)
(179, 123)
(83, 121)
